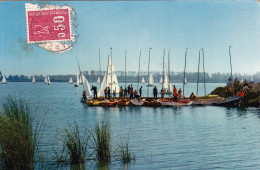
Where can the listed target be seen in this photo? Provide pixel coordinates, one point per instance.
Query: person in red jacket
(175, 95)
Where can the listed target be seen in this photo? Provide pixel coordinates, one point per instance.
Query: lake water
(189, 137)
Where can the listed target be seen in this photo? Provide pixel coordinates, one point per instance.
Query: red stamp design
(48, 25)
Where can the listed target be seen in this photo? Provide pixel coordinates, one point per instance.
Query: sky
(139, 25)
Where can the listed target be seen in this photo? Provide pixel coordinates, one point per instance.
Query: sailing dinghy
(70, 81)
(143, 80)
(33, 80)
(109, 80)
(77, 82)
(3, 80)
(151, 81)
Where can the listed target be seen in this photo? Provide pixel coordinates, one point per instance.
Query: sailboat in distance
(77, 82)
(166, 84)
(109, 80)
(151, 81)
(48, 80)
(143, 81)
(45, 80)
(3, 80)
(161, 81)
(98, 80)
(70, 81)
(33, 80)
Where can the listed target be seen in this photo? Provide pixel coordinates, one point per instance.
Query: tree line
(132, 77)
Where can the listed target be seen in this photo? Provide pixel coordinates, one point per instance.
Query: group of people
(129, 92)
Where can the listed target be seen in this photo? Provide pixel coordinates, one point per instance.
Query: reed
(75, 144)
(125, 154)
(18, 141)
(102, 142)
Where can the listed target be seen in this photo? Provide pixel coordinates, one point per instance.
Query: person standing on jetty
(121, 92)
(131, 93)
(94, 88)
(114, 93)
(140, 91)
(135, 94)
(128, 90)
(155, 92)
(125, 93)
(179, 93)
(175, 98)
(105, 91)
(162, 93)
(108, 92)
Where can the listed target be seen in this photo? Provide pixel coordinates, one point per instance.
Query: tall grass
(18, 141)
(102, 142)
(124, 152)
(75, 144)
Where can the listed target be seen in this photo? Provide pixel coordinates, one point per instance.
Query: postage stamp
(49, 27)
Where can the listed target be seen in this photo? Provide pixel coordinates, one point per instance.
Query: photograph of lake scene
(130, 85)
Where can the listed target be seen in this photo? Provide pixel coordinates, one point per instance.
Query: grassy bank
(18, 140)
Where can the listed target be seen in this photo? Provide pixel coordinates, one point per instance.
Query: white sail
(252, 79)
(151, 81)
(161, 81)
(71, 81)
(80, 80)
(143, 80)
(242, 81)
(98, 80)
(48, 80)
(109, 80)
(166, 83)
(86, 86)
(45, 80)
(33, 80)
(3, 80)
(77, 81)
(185, 80)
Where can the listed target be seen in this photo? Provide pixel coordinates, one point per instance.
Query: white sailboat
(33, 80)
(80, 80)
(86, 86)
(185, 81)
(166, 83)
(252, 80)
(70, 81)
(143, 80)
(109, 80)
(161, 81)
(48, 80)
(151, 81)
(77, 82)
(98, 80)
(3, 80)
(45, 80)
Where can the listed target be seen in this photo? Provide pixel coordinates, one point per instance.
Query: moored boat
(152, 103)
(109, 103)
(229, 102)
(136, 102)
(93, 103)
(123, 102)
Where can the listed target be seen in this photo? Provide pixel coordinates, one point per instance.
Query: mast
(184, 71)
(169, 72)
(80, 73)
(100, 74)
(139, 71)
(163, 68)
(125, 68)
(107, 70)
(111, 90)
(204, 73)
(198, 75)
(148, 73)
(231, 70)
